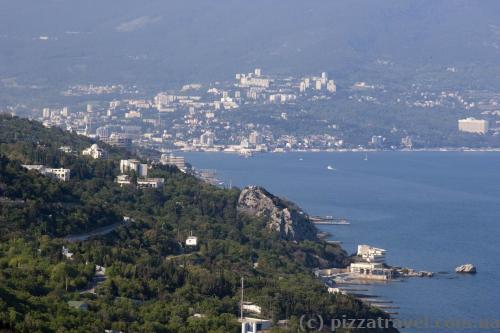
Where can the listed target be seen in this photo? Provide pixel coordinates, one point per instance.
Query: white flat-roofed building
(192, 241)
(254, 325)
(472, 125)
(170, 159)
(140, 169)
(59, 173)
(123, 180)
(150, 183)
(371, 254)
(370, 270)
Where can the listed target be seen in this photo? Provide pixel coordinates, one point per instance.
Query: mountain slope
(152, 281)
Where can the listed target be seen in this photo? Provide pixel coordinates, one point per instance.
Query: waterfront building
(95, 152)
(258, 72)
(170, 159)
(140, 169)
(377, 141)
(90, 108)
(407, 142)
(371, 271)
(255, 138)
(207, 139)
(371, 254)
(472, 125)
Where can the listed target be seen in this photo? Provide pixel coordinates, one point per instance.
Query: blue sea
(430, 210)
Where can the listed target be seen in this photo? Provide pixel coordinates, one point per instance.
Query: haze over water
(431, 211)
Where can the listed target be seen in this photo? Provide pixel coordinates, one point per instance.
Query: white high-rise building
(319, 85)
(258, 72)
(90, 108)
(170, 159)
(65, 112)
(255, 138)
(207, 139)
(140, 169)
(472, 125)
(331, 86)
(46, 113)
(371, 254)
(302, 87)
(324, 77)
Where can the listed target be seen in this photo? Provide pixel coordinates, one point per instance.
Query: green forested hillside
(152, 282)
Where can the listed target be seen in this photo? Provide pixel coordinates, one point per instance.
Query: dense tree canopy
(152, 281)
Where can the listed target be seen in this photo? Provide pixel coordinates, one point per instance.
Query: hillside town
(252, 113)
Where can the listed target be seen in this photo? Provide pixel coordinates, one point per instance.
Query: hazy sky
(150, 40)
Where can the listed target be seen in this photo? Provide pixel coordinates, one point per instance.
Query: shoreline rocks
(281, 215)
(466, 269)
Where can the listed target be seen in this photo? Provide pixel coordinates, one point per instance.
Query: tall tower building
(319, 85)
(331, 86)
(46, 113)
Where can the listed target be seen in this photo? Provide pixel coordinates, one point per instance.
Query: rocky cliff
(281, 215)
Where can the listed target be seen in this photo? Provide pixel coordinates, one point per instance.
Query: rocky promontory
(281, 215)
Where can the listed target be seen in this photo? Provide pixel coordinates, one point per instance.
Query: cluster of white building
(371, 265)
(58, 173)
(318, 83)
(141, 171)
(254, 79)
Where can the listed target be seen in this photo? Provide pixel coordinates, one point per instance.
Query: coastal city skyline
(232, 166)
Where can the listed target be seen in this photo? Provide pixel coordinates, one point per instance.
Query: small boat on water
(330, 167)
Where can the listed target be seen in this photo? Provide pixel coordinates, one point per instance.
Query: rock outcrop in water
(467, 268)
(281, 215)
